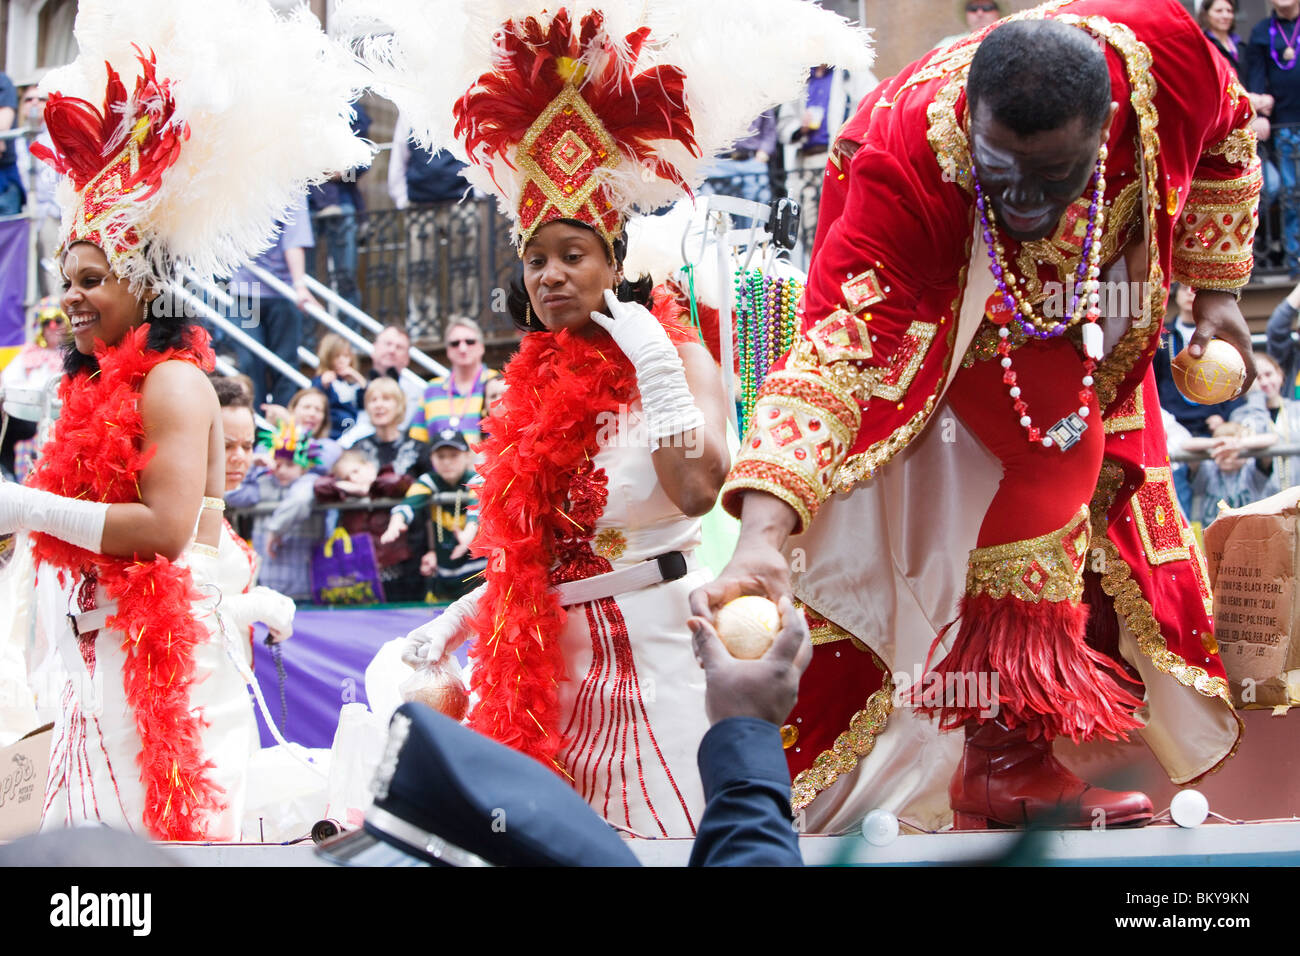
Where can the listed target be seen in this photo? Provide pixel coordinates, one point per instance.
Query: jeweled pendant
(1066, 433)
(1288, 54)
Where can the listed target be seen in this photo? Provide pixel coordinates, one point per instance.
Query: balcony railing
(422, 264)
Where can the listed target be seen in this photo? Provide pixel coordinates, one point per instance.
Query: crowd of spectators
(354, 438)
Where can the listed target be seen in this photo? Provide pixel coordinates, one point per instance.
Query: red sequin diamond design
(1035, 578)
(786, 431)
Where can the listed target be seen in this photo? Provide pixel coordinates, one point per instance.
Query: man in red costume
(965, 443)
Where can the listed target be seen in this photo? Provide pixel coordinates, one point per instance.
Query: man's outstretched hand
(1219, 317)
(766, 688)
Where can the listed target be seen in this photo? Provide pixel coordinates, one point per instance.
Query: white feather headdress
(593, 110)
(217, 115)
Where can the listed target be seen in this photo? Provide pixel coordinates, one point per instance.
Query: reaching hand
(1218, 316)
(755, 568)
(396, 528)
(766, 688)
(634, 329)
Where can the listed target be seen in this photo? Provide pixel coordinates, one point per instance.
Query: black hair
(1036, 75)
(231, 393)
(518, 305)
(170, 327)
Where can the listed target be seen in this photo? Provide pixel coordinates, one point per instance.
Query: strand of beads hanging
(1085, 304)
(744, 347)
(766, 311)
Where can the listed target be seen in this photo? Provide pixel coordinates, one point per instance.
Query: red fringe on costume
(1048, 676)
(561, 386)
(97, 452)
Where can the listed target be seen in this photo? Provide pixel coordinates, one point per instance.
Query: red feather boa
(560, 386)
(97, 451)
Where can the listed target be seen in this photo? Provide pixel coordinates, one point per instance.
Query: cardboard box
(1253, 555)
(23, 766)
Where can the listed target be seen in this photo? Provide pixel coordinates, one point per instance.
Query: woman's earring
(528, 315)
(144, 311)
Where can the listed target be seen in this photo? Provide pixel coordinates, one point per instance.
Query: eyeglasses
(981, 8)
(454, 343)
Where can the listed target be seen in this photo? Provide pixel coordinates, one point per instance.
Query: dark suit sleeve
(747, 819)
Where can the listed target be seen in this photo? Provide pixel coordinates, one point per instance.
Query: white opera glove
(432, 642)
(666, 398)
(73, 520)
(261, 604)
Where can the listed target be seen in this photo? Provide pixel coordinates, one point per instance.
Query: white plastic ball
(1215, 377)
(748, 626)
(1189, 808)
(880, 828)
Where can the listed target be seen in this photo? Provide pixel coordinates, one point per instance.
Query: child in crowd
(452, 570)
(492, 392)
(285, 538)
(340, 381)
(1227, 477)
(309, 409)
(357, 475)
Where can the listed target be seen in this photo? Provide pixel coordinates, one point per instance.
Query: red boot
(1007, 780)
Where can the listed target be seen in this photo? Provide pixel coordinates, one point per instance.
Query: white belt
(92, 620)
(666, 567)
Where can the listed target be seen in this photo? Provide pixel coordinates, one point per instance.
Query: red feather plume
(636, 109)
(86, 138)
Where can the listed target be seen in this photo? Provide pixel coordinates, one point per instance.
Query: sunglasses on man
(455, 343)
(981, 8)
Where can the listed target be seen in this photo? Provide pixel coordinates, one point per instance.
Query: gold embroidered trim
(1215, 233)
(1201, 571)
(778, 480)
(841, 336)
(1046, 568)
(865, 464)
(1064, 254)
(1117, 581)
(958, 55)
(906, 361)
(823, 629)
(849, 747)
(567, 200)
(862, 291)
(1155, 511)
(1238, 148)
(1128, 417)
(213, 504)
(945, 133)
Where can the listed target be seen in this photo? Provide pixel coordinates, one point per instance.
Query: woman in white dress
(124, 504)
(609, 443)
